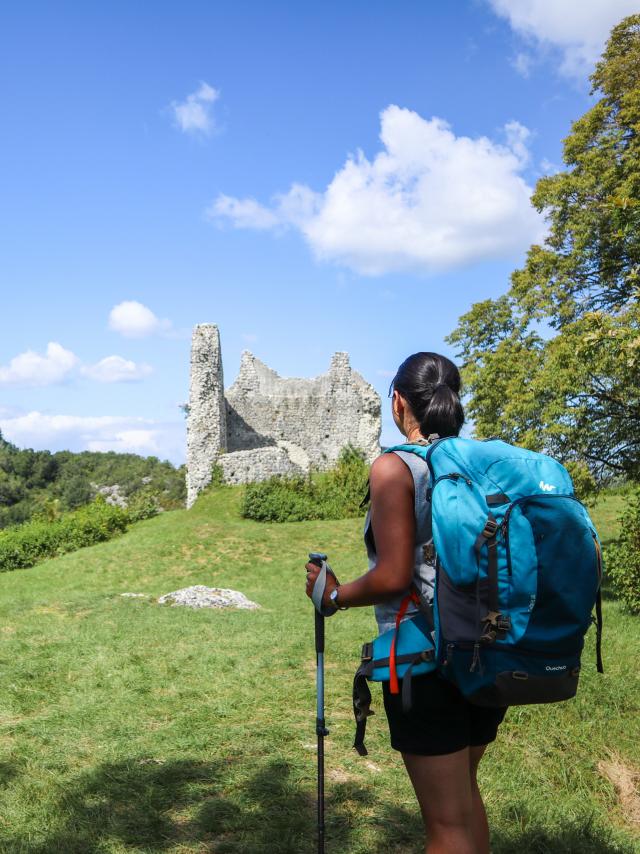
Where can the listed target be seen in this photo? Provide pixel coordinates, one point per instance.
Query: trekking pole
(320, 561)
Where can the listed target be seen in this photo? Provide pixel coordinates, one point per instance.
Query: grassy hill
(126, 726)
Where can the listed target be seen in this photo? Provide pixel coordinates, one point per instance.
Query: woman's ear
(397, 405)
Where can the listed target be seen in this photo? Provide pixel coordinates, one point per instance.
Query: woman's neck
(414, 436)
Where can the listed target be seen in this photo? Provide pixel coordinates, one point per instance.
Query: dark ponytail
(430, 383)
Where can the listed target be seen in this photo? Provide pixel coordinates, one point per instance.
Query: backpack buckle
(503, 624)
(490, 528)
(494, 627)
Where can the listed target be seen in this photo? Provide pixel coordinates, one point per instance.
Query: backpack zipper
(454, 475)
(468, 646)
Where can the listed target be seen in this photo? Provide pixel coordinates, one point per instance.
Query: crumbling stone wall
(256, 464)
(268, 424)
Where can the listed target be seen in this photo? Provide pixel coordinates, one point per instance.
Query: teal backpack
(518, 573)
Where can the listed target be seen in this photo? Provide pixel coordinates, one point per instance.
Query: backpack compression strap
(362, 698)
(599, 665)
(494, 624)
(598, 620)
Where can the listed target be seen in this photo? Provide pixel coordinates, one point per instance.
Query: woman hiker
(443, 737)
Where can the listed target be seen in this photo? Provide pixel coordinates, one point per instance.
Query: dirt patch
(56, 610)
(626, 782)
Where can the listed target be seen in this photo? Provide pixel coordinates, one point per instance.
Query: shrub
(217, 476)
(143, 504)
(281, 499)
(28, 544)
(336, 494)
(623, 557)
(346, 484)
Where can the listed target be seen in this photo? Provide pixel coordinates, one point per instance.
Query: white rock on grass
(200, 596)
(135, 595)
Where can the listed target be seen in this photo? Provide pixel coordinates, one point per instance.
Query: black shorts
(440, 721)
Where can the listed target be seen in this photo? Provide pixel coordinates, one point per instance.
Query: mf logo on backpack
(546, 487)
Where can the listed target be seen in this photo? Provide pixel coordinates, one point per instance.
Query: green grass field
(126, 726)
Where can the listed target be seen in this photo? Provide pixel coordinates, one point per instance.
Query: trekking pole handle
(317, 558)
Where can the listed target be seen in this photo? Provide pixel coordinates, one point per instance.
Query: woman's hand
(332, 582)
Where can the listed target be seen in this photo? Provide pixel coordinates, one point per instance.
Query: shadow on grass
(8, 770)
(572, 840)
(215, 807)
(209, 806)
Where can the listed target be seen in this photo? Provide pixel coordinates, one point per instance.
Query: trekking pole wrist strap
(317, 594)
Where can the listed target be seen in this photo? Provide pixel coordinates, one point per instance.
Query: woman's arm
(393, 523)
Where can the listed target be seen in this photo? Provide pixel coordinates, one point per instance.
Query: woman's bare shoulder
(388, 468)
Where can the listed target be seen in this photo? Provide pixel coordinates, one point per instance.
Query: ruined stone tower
(206, 420)
(267, 424)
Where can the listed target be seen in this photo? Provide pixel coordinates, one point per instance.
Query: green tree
(38, 482)
(555, 363)
(622, 559)
(76, 491)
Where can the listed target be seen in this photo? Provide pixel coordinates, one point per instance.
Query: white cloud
(579, 28)
(34, 369)
(115, 369)
(134, 320)
(61, 365)
(548, 167)
(522, 63)
(244, 213)
(95, 433)
(194, 114)
(127, 441)
(430, 200)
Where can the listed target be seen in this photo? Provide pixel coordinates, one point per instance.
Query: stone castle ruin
(265, 424)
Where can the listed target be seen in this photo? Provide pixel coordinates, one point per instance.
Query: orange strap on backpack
(394, 687)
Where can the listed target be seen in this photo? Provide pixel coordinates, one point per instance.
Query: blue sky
(311, 177)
